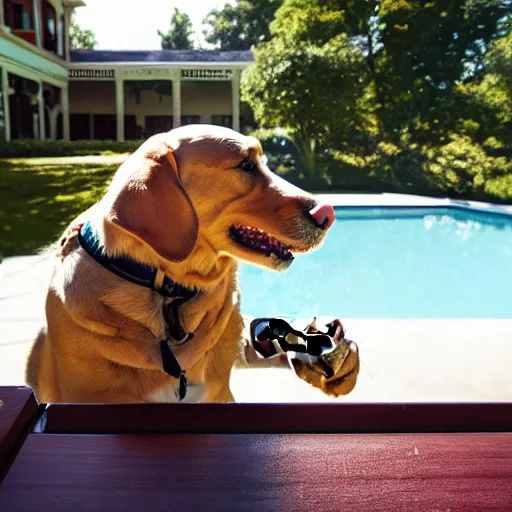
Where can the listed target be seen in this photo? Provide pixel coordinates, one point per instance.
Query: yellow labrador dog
(145, 282)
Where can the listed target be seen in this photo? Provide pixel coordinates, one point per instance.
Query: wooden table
(317, 457)
(18, 409)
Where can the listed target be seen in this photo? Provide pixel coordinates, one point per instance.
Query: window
(105, 126)
(132, 130)
(157, 124)
(221, 120)
(190, 120)
(17, 11)
(50, 27)
(80, 126)
(19, 15)
(23, 109)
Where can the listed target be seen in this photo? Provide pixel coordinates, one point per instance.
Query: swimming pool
(395, 262)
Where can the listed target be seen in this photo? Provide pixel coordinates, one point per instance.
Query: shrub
(458, 168)
(279, 149)
(389, 168)
(49, 148)
(463, 168)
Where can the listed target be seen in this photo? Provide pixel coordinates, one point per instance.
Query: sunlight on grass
(39, 197)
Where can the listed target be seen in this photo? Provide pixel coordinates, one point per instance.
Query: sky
(133, 24)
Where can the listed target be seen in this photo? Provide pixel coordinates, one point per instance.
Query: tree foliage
(315, 111)
(178, 36)
(427, 48)
(352, 77)
(79, 38)
(499, 60)
(239, 26)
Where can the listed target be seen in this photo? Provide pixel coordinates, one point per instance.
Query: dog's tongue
(323, 215)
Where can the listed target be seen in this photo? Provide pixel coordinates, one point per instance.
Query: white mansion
(50, 92)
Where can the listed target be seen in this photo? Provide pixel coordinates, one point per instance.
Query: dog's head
(210, 186)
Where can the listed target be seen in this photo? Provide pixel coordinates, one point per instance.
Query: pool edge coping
(411, 201)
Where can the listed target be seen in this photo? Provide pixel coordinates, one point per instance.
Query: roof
(86, 56)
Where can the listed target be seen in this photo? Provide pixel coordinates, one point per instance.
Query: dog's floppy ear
(150, 202)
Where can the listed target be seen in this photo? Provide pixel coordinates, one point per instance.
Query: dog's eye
(247, 165)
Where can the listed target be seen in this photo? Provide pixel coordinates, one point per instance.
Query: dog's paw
(334, 372)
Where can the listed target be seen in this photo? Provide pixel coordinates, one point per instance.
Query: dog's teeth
(257, 239)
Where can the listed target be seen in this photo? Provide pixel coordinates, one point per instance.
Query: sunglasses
(266, 332)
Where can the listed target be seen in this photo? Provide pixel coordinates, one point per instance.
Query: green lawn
(40, 196)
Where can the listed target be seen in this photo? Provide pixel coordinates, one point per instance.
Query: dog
(144, 303)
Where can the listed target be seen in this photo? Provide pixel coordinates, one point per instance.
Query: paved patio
(23, 284)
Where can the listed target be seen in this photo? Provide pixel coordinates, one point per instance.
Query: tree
(240, 26)
(81, 39)
(311, 78)
(427, 48)
(416, 52)
(179, 33)
(314, 92)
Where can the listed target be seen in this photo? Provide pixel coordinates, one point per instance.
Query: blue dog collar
(128, 268)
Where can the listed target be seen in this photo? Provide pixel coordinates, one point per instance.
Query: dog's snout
(323, 215)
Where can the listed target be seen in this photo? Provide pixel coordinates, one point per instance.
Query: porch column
(5, 95)
(120, 109)
(235, 99)
(176, 99)
(67, 51)
(2, 14)
(53, 115)
(40, 103)
(38, 22)
(64, 102)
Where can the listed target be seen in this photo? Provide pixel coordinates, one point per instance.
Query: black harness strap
(173, 368)
(172, 319)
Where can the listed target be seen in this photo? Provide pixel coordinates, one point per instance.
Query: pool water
(394, 262)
